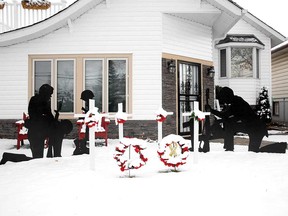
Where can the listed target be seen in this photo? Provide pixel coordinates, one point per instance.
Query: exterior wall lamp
(211, 72)
(171, 66)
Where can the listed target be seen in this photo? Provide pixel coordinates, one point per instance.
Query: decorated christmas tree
(263, 106)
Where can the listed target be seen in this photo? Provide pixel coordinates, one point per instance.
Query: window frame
(79, 77)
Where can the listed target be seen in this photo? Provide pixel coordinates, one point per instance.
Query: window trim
(79, 78)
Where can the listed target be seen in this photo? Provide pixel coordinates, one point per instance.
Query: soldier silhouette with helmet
(40, 120)
(81, 145)
(42, 125)
(238, 116)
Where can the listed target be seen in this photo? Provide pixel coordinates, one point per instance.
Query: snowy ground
(221, 183)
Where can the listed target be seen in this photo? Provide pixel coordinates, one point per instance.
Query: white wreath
(133, 158)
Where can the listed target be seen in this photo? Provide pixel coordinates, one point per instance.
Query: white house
(122, 50)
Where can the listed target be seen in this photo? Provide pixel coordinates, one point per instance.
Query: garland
(120, 117)
(36, 4)
(198, 115)
(173, 151)
(92, 118)
(124, 159)
(160, 118)
(2, 4)
(161, 115)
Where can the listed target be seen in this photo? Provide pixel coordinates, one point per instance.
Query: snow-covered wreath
(134, 158)
(173, 150)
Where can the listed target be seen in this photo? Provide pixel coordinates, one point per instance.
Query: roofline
(277, 37)
(279, 48)
(77, 8)
(48, 25)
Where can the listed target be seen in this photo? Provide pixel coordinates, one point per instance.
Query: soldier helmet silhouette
(86, 95)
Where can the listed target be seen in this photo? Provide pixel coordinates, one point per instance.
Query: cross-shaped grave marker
(198, 116)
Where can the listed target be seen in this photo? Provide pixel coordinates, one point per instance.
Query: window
(239, 56)
(276, 108)
(115, 80)
(107, 76)
(223, 63)
(117, 71)
(94, 79)
(65, 84)
(42, 71)
(241, 62)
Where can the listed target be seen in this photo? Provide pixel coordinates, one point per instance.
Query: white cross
(94, 116)
(201, 115)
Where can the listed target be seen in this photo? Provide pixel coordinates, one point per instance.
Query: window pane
(189, 79)
(257, 64)
(241, 62)
(117, 84)
(223, 63)
(65, 84)
(42, 70)
(93, 80)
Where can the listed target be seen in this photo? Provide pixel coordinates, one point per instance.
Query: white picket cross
(95, 116)
(202, 115)
(92, 150)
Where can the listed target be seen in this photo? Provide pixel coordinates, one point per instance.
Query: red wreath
(126, 163)
(121, 121)
(173, 151)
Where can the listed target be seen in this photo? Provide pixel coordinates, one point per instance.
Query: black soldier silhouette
(81, 145)
(42, 125)
(238, 116)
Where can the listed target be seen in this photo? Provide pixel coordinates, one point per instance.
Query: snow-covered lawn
(221, 183)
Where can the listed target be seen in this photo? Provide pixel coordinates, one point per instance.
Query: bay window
(239, 56)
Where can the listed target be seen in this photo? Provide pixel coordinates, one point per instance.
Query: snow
(221, 183)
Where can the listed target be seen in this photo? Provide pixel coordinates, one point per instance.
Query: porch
(14, 16)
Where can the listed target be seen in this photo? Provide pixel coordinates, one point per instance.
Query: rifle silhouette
(58, 110)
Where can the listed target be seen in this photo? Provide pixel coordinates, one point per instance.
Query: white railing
(14, 16)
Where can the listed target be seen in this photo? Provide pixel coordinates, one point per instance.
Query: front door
(189, 90)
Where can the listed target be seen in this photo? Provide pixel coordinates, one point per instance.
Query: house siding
(186, 38)
(279, 84)
(280, 75)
